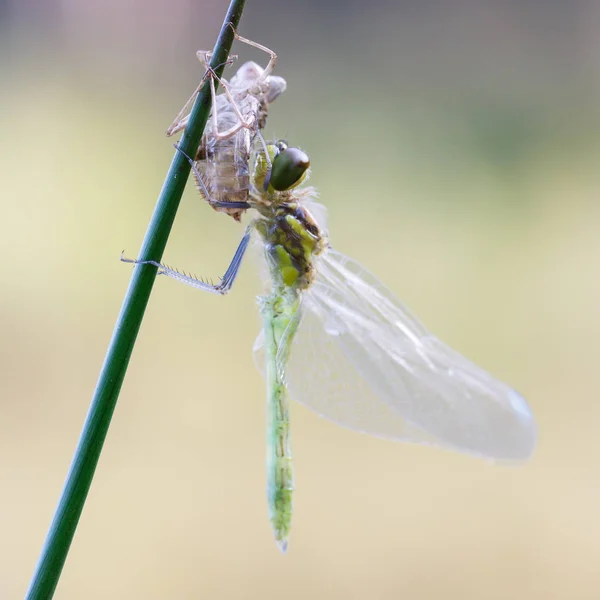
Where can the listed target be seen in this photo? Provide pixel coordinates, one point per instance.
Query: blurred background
(456, 146)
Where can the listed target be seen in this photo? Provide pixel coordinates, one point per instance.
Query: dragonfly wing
(361, 359)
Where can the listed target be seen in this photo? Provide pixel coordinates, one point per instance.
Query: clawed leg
(273, 57)
(183, 116)
(221, 288)
(241, 124)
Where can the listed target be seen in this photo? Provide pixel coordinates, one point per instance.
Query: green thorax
(291, 236)
(292, 240)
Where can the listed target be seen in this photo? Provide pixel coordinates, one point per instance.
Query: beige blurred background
(456, 145)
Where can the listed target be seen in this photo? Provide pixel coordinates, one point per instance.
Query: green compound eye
(289, 166)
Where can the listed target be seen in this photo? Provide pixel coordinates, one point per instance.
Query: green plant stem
(81, 473)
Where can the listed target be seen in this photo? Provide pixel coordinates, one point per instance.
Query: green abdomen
(280, 314)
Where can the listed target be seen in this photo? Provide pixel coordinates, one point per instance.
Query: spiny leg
(221, 288)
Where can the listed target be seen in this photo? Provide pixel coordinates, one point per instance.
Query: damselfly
(221, 164)
(342, 344)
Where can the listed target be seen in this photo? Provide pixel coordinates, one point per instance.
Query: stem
(81, 473)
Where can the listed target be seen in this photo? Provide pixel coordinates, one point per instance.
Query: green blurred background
(456, 145)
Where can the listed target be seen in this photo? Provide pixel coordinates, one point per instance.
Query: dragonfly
(222, 162)
(337, 340)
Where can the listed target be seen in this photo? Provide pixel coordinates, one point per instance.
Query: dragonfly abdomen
(280, 315)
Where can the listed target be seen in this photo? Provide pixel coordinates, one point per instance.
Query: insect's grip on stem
(79, 479)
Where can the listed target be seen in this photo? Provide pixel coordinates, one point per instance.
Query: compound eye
(289, 166)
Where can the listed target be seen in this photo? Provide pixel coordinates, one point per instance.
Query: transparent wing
(362, 360)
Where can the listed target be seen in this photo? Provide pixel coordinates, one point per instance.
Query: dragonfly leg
(181, 120)
(198, 177)
(226, 281)
(273, 57)
(242, 122)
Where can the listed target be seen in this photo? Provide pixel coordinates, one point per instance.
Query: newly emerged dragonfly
(222, 161)
(341, 343)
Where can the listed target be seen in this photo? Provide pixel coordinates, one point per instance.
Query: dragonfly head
(289, 167)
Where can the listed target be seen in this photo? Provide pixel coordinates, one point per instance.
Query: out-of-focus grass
(493, 247)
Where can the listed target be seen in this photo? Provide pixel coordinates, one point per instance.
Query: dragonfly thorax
(292, 240)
